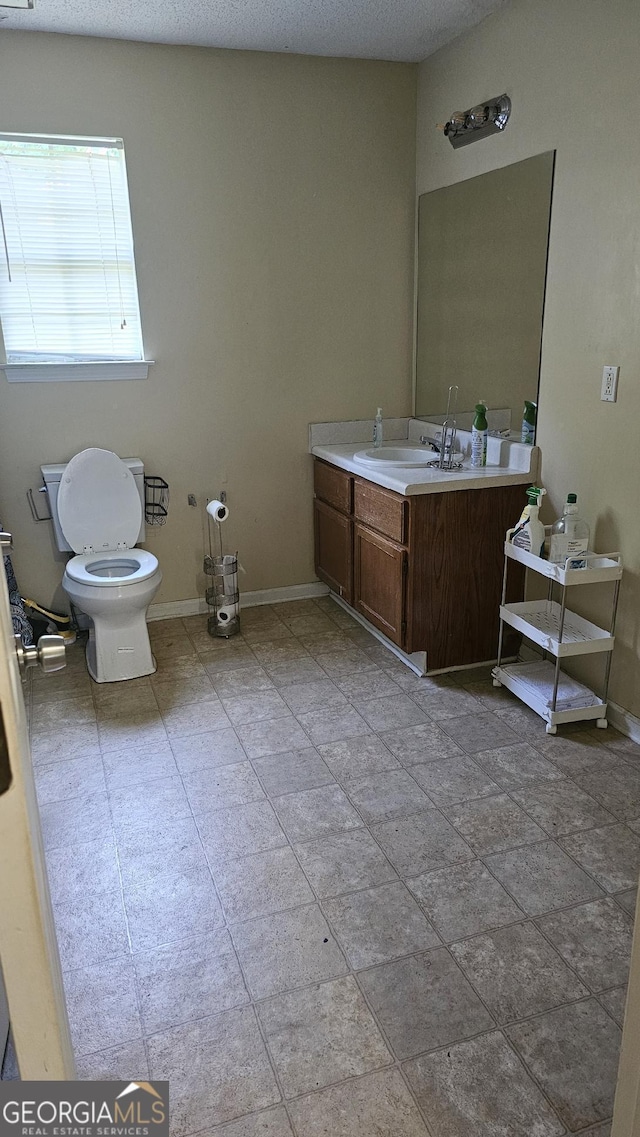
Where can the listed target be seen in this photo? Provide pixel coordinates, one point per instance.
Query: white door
(4, 1019)
(626, 1115)
(28, 948)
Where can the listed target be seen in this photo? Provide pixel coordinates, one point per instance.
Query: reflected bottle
(479, 434)
(528, 422)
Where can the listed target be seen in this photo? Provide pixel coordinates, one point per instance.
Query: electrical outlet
(609, 392)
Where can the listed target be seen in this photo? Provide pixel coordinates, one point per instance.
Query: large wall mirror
(482, 261)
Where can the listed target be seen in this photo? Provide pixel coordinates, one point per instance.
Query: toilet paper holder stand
(223, 595)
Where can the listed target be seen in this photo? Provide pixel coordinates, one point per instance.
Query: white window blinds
(67, 274)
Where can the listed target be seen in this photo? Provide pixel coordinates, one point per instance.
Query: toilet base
(114, 654)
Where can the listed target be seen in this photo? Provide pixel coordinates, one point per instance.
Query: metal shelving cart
(561, 633)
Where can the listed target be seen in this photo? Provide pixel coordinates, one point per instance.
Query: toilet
(97, 509)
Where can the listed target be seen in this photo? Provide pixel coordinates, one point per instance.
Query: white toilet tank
(51, 476)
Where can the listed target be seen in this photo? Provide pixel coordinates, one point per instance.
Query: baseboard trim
(175, 608)
(623, 721)
(199, 607)
(312, 591)
(417, 661)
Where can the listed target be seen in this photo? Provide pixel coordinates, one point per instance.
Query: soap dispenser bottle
(377, 429)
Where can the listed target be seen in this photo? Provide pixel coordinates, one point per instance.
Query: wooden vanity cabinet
(454, 579)
(425, 570)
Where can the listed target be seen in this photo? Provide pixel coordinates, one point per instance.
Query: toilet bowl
(99, 512)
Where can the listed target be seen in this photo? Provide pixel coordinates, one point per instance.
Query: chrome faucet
(434, 443)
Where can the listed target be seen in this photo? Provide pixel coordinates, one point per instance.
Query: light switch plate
(609, 392)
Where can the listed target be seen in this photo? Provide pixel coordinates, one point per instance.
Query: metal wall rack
(156, 500)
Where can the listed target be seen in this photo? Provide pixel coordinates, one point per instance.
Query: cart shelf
(515, 679)
(540, 621)
(598, 568)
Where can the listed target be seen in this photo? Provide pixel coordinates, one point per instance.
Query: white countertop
(509, 464)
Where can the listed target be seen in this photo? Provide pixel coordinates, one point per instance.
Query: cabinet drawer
(381, 510)
(333, 486)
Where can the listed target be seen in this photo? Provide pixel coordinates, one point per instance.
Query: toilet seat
(101, 569)
(99, 507)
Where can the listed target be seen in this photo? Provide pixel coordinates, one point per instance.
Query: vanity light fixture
(489, 117)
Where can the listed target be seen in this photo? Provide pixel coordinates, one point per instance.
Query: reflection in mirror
(482, 258)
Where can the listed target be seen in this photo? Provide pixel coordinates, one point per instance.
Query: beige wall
(273, 205)
(572, 72)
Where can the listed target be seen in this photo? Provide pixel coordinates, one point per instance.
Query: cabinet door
(379, 582)
(334, 549)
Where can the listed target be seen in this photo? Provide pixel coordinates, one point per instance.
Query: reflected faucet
(444, 443)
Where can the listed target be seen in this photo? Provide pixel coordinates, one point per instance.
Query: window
(68, 294)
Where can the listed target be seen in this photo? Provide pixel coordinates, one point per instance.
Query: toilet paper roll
(217, 510)
(226, 613)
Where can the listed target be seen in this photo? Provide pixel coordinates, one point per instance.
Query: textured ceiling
(406, 30)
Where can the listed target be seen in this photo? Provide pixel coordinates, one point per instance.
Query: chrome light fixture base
(490, 117)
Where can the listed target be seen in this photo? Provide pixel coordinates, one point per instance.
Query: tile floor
(323, 896)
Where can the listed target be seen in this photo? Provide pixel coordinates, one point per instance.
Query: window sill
(73, 372)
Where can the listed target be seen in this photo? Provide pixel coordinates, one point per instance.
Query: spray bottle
(529, 532)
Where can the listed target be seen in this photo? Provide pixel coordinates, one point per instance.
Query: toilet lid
(98, 502)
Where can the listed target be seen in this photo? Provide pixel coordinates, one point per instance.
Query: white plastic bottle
(569, 536)
(529, 532)
(529, 422)
(479, 437)
(377, 429)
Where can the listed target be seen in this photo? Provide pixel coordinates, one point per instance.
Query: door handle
(6, 542)
(49, 654)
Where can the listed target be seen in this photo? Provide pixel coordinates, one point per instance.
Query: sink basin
(395, 456)
(398, 456)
